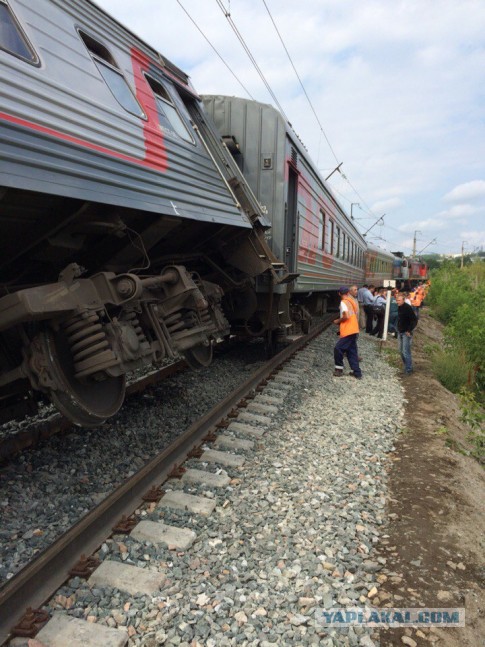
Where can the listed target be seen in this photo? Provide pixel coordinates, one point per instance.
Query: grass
(393, 356)
(451, 369)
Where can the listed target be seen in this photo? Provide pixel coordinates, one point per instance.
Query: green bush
(451, 369)
(450, 288)
(457, 298)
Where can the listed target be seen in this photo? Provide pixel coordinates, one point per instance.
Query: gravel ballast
(293, 532)
(45, 490)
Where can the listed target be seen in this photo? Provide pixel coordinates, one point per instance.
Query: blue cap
(343, 290)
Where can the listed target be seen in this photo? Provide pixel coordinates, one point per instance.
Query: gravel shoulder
(436, 521)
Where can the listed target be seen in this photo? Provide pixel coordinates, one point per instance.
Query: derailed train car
(128, 233)
(310, 231)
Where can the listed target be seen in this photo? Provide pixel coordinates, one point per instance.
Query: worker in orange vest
(349, 330)
(416, 301)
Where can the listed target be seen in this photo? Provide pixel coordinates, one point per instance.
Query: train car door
(291, 220)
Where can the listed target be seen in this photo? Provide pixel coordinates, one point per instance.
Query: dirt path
(436, 535)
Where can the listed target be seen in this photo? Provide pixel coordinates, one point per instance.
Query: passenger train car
(309, 231)
(379, 265)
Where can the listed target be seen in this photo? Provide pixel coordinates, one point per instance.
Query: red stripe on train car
(155, 153)
(79, 142)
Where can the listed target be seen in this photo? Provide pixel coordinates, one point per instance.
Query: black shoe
(338, 372)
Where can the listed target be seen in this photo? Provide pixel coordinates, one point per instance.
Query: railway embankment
(436, 521)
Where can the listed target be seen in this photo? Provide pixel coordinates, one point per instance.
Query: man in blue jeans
(406, 323)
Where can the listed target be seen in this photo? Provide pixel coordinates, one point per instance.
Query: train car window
(332, 225)
(328, 241)
(323, 224)
(170, 120)
(12, 38)
(321, 230)
(338, 242)
(112, 75)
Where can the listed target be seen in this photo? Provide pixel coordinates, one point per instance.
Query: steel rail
(39, 580)
(40, 430)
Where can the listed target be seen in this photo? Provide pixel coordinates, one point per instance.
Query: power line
(250, 55)
(239, 36)
(215, 50)
(301, 82)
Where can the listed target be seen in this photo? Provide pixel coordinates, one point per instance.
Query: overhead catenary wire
(240, 38)
(300, 81)
(313, 109)
(227, 15)
(215, 50)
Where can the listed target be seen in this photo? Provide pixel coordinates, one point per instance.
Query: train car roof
(379, 250)
(302, 150)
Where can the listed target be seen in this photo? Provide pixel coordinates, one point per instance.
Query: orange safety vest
(417, 299)
(349, 326)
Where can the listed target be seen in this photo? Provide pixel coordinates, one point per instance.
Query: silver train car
(379, 265)
(128, 233)
(310, 232)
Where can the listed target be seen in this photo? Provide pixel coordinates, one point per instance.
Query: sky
(396, 93)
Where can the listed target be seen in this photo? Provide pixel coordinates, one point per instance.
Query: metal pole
(376, 222)
(334, 170)
(414, 242)
(386, 316)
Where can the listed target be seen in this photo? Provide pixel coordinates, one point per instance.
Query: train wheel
(199, 356)
(87, 403)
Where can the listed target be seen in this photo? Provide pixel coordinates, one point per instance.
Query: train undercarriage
(74, 341)
(71, 341)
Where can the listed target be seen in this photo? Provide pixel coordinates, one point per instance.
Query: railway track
(41, 429)
(39, 581)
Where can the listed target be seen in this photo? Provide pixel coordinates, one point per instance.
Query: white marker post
(387, 284)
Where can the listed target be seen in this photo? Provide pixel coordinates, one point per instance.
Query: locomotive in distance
(133, 225)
